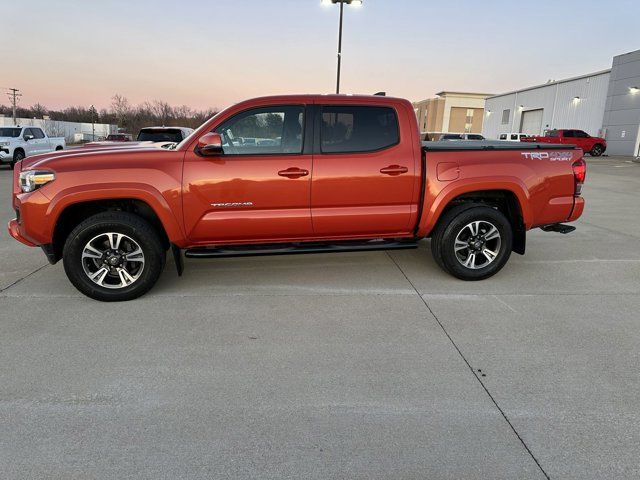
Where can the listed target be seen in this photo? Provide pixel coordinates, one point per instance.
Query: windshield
(10, 132)
(164, 135)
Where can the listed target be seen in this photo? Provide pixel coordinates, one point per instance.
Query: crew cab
(338, 173)
(119, 137)
(594, 146)
(19, 142)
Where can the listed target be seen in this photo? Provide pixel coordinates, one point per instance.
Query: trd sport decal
(553, 156)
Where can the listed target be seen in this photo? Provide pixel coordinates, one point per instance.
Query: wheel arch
(510, 199)
(72, 210)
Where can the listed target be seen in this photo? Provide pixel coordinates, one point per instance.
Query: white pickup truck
(19, 142)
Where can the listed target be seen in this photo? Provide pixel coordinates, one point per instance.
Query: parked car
(512, 137)
(119, 137)
(19, 142)
(164, 134)
(461, 136)
(595, 146)
(347, 173)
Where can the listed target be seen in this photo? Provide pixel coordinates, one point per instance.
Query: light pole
(355, 3)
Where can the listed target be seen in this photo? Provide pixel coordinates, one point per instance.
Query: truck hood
(83, 155)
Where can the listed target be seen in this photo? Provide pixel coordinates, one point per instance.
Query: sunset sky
(216, 52)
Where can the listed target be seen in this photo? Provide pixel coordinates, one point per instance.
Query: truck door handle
(394, 170)
(293, 172)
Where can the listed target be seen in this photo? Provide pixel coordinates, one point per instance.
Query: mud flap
(177, 257)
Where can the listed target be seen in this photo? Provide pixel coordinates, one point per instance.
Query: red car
(119, 137)
(291, 174)
(595, 146)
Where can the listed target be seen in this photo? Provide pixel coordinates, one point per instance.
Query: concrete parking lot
(356, 365)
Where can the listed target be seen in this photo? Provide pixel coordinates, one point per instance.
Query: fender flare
(431, 213)
(125, 190)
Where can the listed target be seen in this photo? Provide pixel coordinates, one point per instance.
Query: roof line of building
(555, 82)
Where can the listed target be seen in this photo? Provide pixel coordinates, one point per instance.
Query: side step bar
(296, 248)
(558, 227)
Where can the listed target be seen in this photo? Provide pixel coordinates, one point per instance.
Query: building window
(505, 116)
(469, 120)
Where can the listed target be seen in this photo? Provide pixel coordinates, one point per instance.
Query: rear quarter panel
(543, 185)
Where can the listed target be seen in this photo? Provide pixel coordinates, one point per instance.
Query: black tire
(453, 224)
(58, 148)
(597, 150)
(17, 156)
(133, 227)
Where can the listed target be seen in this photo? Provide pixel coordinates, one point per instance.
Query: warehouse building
(604, 103)
(451, 112)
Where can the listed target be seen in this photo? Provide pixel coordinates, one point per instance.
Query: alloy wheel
(477, 244)
(113, 260)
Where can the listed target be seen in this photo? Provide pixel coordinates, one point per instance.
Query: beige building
(451, 112)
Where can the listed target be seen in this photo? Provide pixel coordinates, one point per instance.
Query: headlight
(34, 179)
(5, 144)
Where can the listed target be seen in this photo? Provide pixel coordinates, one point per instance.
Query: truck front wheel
(17, 156)
(113, 256)
(472, 243)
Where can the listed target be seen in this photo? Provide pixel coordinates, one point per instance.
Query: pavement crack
(22, 278)
(473, 372)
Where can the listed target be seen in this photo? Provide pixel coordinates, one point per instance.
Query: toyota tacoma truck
(18, 142)
(313, 173)
(594, 146)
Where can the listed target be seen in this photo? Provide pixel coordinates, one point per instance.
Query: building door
(531, 122)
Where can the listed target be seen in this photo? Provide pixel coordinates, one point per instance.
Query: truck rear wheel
(597, 150)
(113, 256)
(472, 243)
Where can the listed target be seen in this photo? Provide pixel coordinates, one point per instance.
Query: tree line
(129, 118)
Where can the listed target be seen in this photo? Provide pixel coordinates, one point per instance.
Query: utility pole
(93, 112)
(14, 96)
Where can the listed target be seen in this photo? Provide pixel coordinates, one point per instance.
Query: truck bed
(491, 145)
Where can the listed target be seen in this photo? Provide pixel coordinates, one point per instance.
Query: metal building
(605, 104)
(577, 102)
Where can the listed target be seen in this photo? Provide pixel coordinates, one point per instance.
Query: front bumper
(5, 156)
(14, 231)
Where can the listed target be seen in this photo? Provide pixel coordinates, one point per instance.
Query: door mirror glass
(210, 144)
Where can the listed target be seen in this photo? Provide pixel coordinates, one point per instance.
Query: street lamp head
(355, 3)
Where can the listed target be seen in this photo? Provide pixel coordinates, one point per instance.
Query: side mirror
(210, 145)
(28, 137)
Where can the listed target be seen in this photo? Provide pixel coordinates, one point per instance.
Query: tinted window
(269, 130)
(10, 132)
(160, 135)
(503, 136)
(568, 133)
(580, 134)
(358, 129)
(37, 133)
(551, 133)
(452, 136)
(27, 131)
(514, 137)
(475, 137)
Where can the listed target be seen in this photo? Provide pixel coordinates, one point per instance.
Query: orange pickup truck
(291, 174)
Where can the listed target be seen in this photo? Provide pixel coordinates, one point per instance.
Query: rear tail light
(579, 174)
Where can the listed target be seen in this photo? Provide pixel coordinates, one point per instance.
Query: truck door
(364, 171)
(259, 189)
(40, 141)
(30, 142)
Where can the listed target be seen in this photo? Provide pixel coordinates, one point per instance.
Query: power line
(14, 96)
